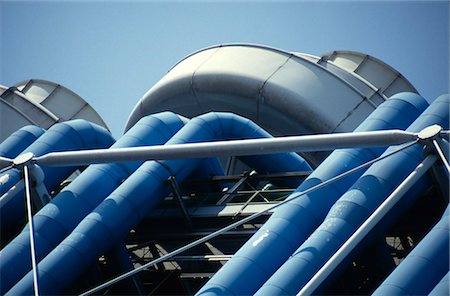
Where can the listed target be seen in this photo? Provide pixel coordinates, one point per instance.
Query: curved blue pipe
(19, 140)
(443, 287)
(424, 267)
(355, 206)
(55, 221)
(70, 135)
(291, 224)
(132, 200)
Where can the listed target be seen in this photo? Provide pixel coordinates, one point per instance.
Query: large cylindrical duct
(292, 223)
(284, 93)
(443, 287)
(132, 200)
(72, 135)
(424, 267)
(58, 218)
(355, 206)
(19, 140)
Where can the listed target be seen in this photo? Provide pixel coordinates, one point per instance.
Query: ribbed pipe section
(355, 206)
(70, 135)
(58, 218)
(291, 224)
(443, 287)
(424, 267)
(19, 140)
(133, 199)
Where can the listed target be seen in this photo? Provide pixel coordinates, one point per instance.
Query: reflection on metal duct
(53, 222)
(132, 200)
(291, 224)
(71, 135)
(355, 206)
(424, 267)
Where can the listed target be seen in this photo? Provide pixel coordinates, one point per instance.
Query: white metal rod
(367, 226)
(4, 161)
(441, 155)
(238, 223)
(327, 142)
(30, 224)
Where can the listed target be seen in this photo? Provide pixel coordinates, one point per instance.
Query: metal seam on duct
(194, 92)
(348, 114)
(37, 105)
(18, 111)
(260, 98)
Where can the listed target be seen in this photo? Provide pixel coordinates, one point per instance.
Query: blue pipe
(443, 287)
(355, 206)
(291, 224)
(132, 200)
(58, 218)
(70, 135)
(424, 267)
(19, 140)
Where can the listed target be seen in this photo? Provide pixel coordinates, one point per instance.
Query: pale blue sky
(112, 53)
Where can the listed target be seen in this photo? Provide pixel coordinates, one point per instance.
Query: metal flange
(430, 132)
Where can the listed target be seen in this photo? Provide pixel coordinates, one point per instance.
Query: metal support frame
(232, 191)
(179, 200)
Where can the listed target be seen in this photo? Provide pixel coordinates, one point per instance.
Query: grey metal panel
(399, 85)
(378, 73)
(307, 92)
(11, 120)
(38, 114)
(58, 100)
(280, 91)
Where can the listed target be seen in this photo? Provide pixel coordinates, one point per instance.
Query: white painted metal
(327, 142)
(42, 103)
(282, 92)
(383, 77)
(31, 226)
(59, 100)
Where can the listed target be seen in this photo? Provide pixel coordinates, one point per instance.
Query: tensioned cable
(240, 222)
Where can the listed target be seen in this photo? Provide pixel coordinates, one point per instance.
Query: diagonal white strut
(327, 142)
(31, 225)
(367, 226)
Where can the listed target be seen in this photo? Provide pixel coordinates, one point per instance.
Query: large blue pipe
(19, 140)
(291, 224)
(443, 287)
(354, 207)
(132, 200)
(70, 135)
(55, 221)
(424, 267)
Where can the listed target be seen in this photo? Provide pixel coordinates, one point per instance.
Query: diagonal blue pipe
(424, 267)
(55, 221)
(292, 223)
(19, 140)
(355, 206)
(443, 287)
(132, 200)
(69, 135)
